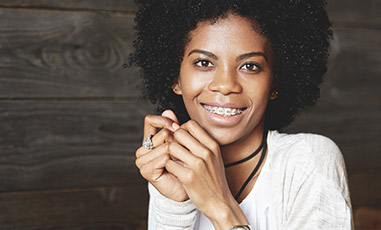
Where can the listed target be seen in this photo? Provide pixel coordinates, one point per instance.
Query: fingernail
(175, 126)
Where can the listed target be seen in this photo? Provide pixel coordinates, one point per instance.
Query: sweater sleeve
(320, 197)
(166, 214)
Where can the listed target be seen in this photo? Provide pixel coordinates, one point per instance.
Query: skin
(227, 63)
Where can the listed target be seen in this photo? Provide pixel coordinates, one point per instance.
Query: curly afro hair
(298, 31)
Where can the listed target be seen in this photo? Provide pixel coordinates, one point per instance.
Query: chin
(224, 138)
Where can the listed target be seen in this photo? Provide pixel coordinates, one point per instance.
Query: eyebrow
(209, 54)
(252, 54)
(239, 58)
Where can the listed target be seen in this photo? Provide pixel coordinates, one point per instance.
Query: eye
(203, 63)
(251, 67)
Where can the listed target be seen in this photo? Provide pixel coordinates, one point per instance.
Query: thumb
(171, 115)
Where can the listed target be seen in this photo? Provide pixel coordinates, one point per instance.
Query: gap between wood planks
(104, 188)
(52, 8)
(128, 99)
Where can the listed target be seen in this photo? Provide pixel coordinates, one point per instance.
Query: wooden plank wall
(71, 118)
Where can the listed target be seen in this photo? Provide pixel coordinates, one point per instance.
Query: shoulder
(301, 140)
(306, 154)
(304, 147)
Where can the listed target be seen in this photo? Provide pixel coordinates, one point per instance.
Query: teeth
(220, 111)
(227, 112)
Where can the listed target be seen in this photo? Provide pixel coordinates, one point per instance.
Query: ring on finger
(148, 143)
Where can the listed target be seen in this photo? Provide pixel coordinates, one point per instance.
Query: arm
(167, 214)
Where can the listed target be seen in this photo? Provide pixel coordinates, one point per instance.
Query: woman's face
(226, 78)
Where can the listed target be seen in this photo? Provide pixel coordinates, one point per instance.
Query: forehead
(233, 33)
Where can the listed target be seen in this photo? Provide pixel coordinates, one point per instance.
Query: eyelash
(199, 63)
(256, 66)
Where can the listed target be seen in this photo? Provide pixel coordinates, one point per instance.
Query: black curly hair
(298, 31)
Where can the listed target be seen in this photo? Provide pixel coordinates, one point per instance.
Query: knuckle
(147, 118)
(184, 126)
(137, 163)
(166, 157)
(166, 133)
(214, 147)
(189, 178)
(168, 122)
(207, 155)
(177, 133)
(198, 163)
(171, 146)
(192, 124)
(139, 152)
(144, 171)
(166, 146)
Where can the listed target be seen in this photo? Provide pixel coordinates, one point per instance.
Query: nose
(225, 82)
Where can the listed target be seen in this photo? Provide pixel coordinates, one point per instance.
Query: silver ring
(148, 143)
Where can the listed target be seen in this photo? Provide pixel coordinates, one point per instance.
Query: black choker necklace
(263, 146)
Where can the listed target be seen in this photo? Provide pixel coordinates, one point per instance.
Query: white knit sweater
(307, 187)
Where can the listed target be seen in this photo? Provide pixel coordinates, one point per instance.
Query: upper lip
(227, 105)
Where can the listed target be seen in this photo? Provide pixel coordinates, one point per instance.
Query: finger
(152, 171)
(201, 135)
(153, 154)
(186, 176)
(141, 151)
(197, 148)
(159, 141)
(171, 115)
(153, 122)
(163, 136)
(186, 158)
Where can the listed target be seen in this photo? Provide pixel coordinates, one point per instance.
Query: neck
(243, 147)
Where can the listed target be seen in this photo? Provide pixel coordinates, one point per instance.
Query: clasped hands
(185, 163)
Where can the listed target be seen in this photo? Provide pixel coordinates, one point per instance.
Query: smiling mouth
(224, 111)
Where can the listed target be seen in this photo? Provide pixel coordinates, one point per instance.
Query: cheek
(192, 85)
(259, 91)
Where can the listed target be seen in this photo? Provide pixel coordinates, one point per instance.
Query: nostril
(225, 87)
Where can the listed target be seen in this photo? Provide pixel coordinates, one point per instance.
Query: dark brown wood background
(71, 118)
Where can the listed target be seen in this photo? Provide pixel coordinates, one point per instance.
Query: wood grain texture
(61, 144)
(81, 54)
(365, 188)
(99, 208)
(354, 67)
(367, 218)
(102, 5)
(343, 12)
(65, 54)
(354, 13)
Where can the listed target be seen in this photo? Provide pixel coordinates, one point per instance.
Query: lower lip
(224, 121)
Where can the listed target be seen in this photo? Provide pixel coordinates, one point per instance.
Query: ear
(176, 87)
(274, 91)
(274, 94)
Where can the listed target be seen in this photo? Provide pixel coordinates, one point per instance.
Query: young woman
(228, 75)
